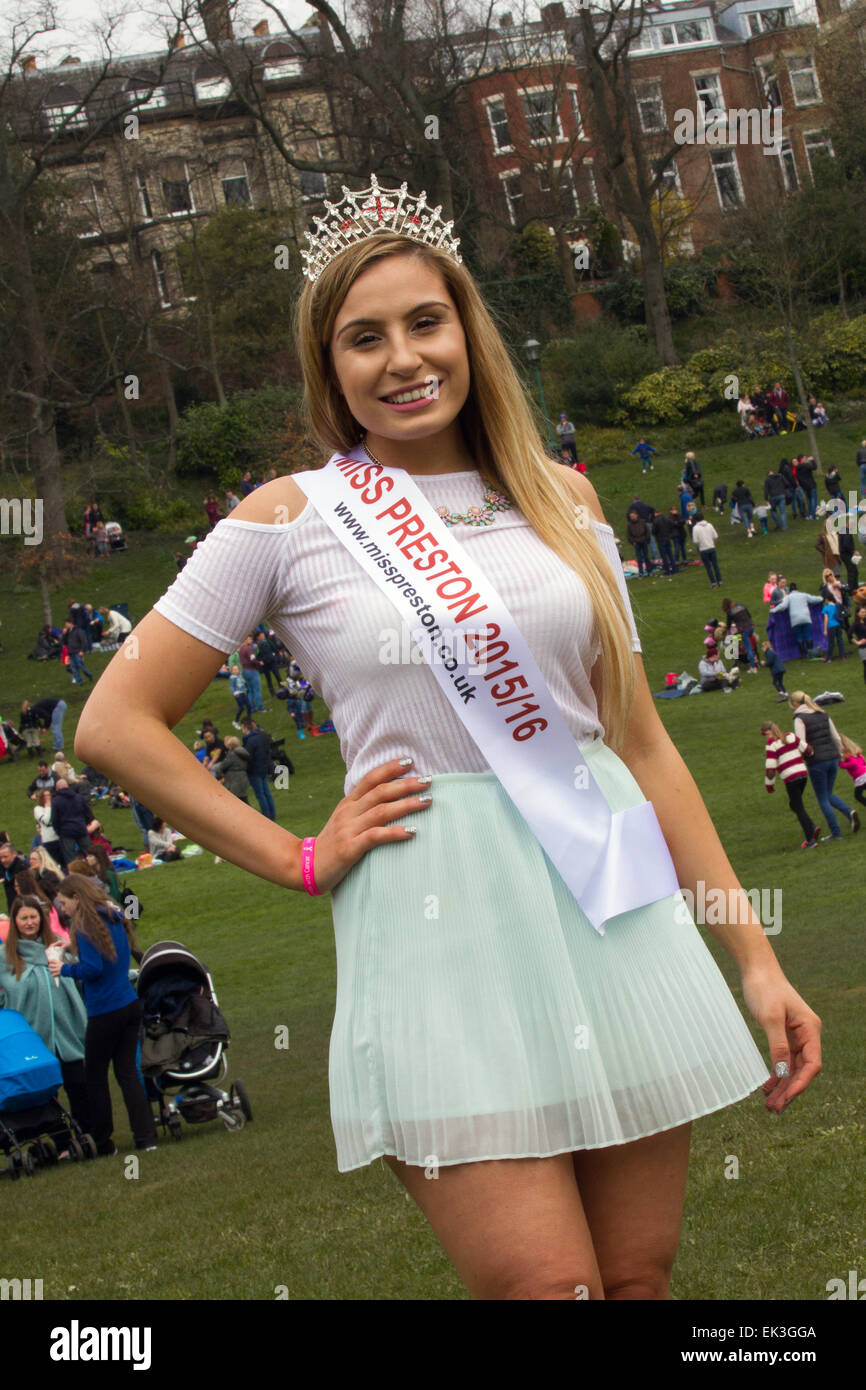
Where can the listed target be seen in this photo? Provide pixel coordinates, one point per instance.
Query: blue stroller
(30, 1114)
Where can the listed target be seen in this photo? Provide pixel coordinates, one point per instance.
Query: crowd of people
(766, 411)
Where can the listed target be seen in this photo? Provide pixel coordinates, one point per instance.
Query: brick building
(743, 56)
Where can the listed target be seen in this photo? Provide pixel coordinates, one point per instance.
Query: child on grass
(854, 763)
(775, 666)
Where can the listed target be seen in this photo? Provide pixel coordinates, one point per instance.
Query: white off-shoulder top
(349, 639)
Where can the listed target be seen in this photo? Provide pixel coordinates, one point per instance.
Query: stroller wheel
(175, 1127)
(13, 1166)
(76, 1150)
(88, 1146)
(29, 1163)
(239, 1090)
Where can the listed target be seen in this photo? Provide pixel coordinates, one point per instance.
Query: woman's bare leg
(633, 1196)
(513, 1228)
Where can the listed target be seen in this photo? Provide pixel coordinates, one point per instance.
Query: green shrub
(152, 509)
(586, 375)
(224, 440)
(666, 397)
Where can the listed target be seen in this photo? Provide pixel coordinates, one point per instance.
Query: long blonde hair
(801, 699)
(499, 429)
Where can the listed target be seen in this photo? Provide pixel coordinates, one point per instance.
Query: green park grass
(239, 1216)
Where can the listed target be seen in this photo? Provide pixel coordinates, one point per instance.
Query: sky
(145, 23)
(141, 28)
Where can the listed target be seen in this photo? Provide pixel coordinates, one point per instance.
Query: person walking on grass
(638, 533)
(646, 452)
(776, 668)
(567, 442)
(815, 727)
(103, 941)
(784, 756)
(539, 1145)
(858, 636)
(705, 535)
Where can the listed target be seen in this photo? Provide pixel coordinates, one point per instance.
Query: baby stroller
(115, 534)
(30, 1113)
(183, 1042)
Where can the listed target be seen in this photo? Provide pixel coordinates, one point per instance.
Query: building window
(651, 107)
(669, 178)
(727, 176)
(498, 118)
(159, 275)
(575, 111)
(708, 88)
(280, 62)
(157, 99)
(176, 190)
(767, 21)
(565, 192)
(313, 185)
(511, 187)
(817, 145)
(804, 80)
(789, 167)
(236, 191)
(67, 116)
(686, 32)
(213, 88)
(541, 116)
(143, 196)
(770, 86)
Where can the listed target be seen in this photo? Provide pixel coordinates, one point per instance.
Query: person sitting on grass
(713, 674)
(215, 748)
(775, 666)
(161, 841)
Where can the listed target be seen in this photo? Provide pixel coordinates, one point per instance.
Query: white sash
(611, 861)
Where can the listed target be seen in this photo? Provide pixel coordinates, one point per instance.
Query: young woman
(161, 841)
(815, 727)
(48, 836)
(58, 1015)
(103, 941)
(484, 1030)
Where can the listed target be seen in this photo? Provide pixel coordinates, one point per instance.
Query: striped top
(785, 756)
(351, 643)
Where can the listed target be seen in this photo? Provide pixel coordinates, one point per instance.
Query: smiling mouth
(418, 393)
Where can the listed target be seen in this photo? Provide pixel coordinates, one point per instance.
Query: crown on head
(374, 209)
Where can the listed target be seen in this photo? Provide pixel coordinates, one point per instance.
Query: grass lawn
(237, 1216)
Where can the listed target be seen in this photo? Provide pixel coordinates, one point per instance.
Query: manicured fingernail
(410, 830)
(781, 1069)
(406, 762)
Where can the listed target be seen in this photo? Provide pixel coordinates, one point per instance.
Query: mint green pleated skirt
(479, 1014)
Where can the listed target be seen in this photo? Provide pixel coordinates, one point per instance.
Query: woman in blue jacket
(103, 941)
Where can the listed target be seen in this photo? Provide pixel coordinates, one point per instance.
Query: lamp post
(532, 352)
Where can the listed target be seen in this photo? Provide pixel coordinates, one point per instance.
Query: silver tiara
(374, 209)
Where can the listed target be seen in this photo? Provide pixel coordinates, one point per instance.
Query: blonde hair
(849, 746)
(230, 741)
(499, 429)
(769, 727)
(800, 697)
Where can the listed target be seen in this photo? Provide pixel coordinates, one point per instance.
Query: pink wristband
(308, 850)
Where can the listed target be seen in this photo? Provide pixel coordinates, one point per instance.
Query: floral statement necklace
(475, 516)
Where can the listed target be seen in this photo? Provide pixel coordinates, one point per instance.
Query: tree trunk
(657, 313)
(122, 402)
(801, 397)
(46, 598)
(43, 449)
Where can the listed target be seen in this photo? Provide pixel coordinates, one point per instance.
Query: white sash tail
(612, 861)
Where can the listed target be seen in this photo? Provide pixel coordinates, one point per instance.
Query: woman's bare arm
(148, 686)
